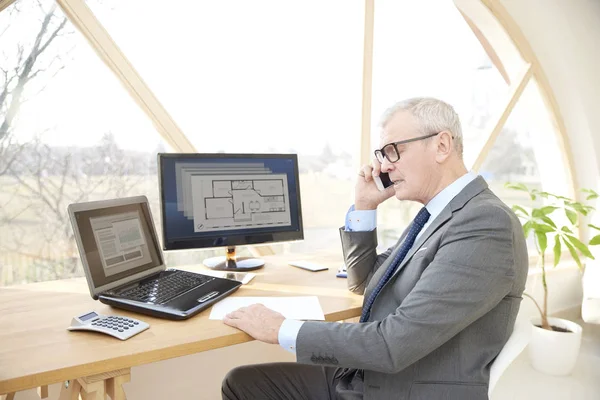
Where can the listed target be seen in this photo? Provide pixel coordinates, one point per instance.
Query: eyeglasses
(390, 150)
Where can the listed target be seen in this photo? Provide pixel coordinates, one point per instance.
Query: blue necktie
(418, 223)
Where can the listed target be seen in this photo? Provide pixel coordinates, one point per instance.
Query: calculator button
(135, 322)
(125, 327)
(120, 330)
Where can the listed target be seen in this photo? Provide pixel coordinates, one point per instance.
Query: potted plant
(555, 342)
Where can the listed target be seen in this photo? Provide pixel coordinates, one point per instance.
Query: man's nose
(386, 166)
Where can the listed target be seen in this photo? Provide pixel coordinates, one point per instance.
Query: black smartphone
(383, 181)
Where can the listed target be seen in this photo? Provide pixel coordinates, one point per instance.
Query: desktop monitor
(228, 200)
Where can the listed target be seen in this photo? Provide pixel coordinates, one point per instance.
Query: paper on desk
(299, 307)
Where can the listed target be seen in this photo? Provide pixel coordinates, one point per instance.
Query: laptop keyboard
(167, 287)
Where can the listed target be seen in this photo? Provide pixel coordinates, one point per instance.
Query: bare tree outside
(39, 180)
(19, 67)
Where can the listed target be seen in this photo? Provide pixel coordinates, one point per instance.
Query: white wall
(565, 36)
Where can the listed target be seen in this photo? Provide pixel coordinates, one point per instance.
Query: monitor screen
(216, 200)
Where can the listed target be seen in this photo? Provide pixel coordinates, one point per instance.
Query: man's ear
(444, 146)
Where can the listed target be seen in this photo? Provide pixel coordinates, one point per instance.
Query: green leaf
(580, 246)
(546, 194)
(516, 186)
(592, 195)
(542, 240)
(557, 249)
(566, 229)
(572, 215)
(578, 207)
(594, 226)
(540, 212)
(548, 209)
(549, 221)
(573, 253)
(595, 240)
(516, 208)
(527, 227)
(542, 228)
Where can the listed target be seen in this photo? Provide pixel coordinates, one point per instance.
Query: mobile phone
(383, 181)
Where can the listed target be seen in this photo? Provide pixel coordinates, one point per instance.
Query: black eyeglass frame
(380, 154)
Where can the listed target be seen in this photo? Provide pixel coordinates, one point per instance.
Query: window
(527, 151)
(237, 76)
(260, 76)
(70, 133)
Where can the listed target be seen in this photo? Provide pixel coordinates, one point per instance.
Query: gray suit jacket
(443, 317)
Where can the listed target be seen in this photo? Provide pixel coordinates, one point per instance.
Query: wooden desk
(37, 350)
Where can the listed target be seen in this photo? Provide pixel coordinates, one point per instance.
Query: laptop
(124, 264)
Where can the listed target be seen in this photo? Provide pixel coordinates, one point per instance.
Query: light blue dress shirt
(366, 220)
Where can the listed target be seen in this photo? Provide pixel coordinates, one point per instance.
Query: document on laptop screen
(120, 242)
(300, 307)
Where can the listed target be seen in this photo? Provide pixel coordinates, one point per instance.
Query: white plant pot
(554, 353)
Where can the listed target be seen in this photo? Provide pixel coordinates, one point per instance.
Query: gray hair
(433, 116)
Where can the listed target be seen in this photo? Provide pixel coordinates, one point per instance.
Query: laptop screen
(118, 241)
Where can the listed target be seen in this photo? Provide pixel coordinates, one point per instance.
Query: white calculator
(115, 325)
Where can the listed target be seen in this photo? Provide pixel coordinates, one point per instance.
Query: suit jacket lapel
(441, 219)
(471, 190)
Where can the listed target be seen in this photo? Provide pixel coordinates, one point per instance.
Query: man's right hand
(366, 194)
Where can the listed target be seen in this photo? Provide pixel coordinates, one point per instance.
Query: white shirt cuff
(288, 333)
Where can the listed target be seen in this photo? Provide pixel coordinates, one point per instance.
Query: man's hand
(257, 321)
(366, 194)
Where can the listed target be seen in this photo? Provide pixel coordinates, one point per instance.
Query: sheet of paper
(300, 307)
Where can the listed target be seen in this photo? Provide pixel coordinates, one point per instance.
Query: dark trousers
(278, 381)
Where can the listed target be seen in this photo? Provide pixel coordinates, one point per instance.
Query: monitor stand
(232, 263)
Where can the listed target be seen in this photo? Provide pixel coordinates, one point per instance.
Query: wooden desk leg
(71, 392)
(96, 387)
(92, 389)
(114, 386)
(43, 392)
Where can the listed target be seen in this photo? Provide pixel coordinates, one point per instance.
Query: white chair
(516, 343)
